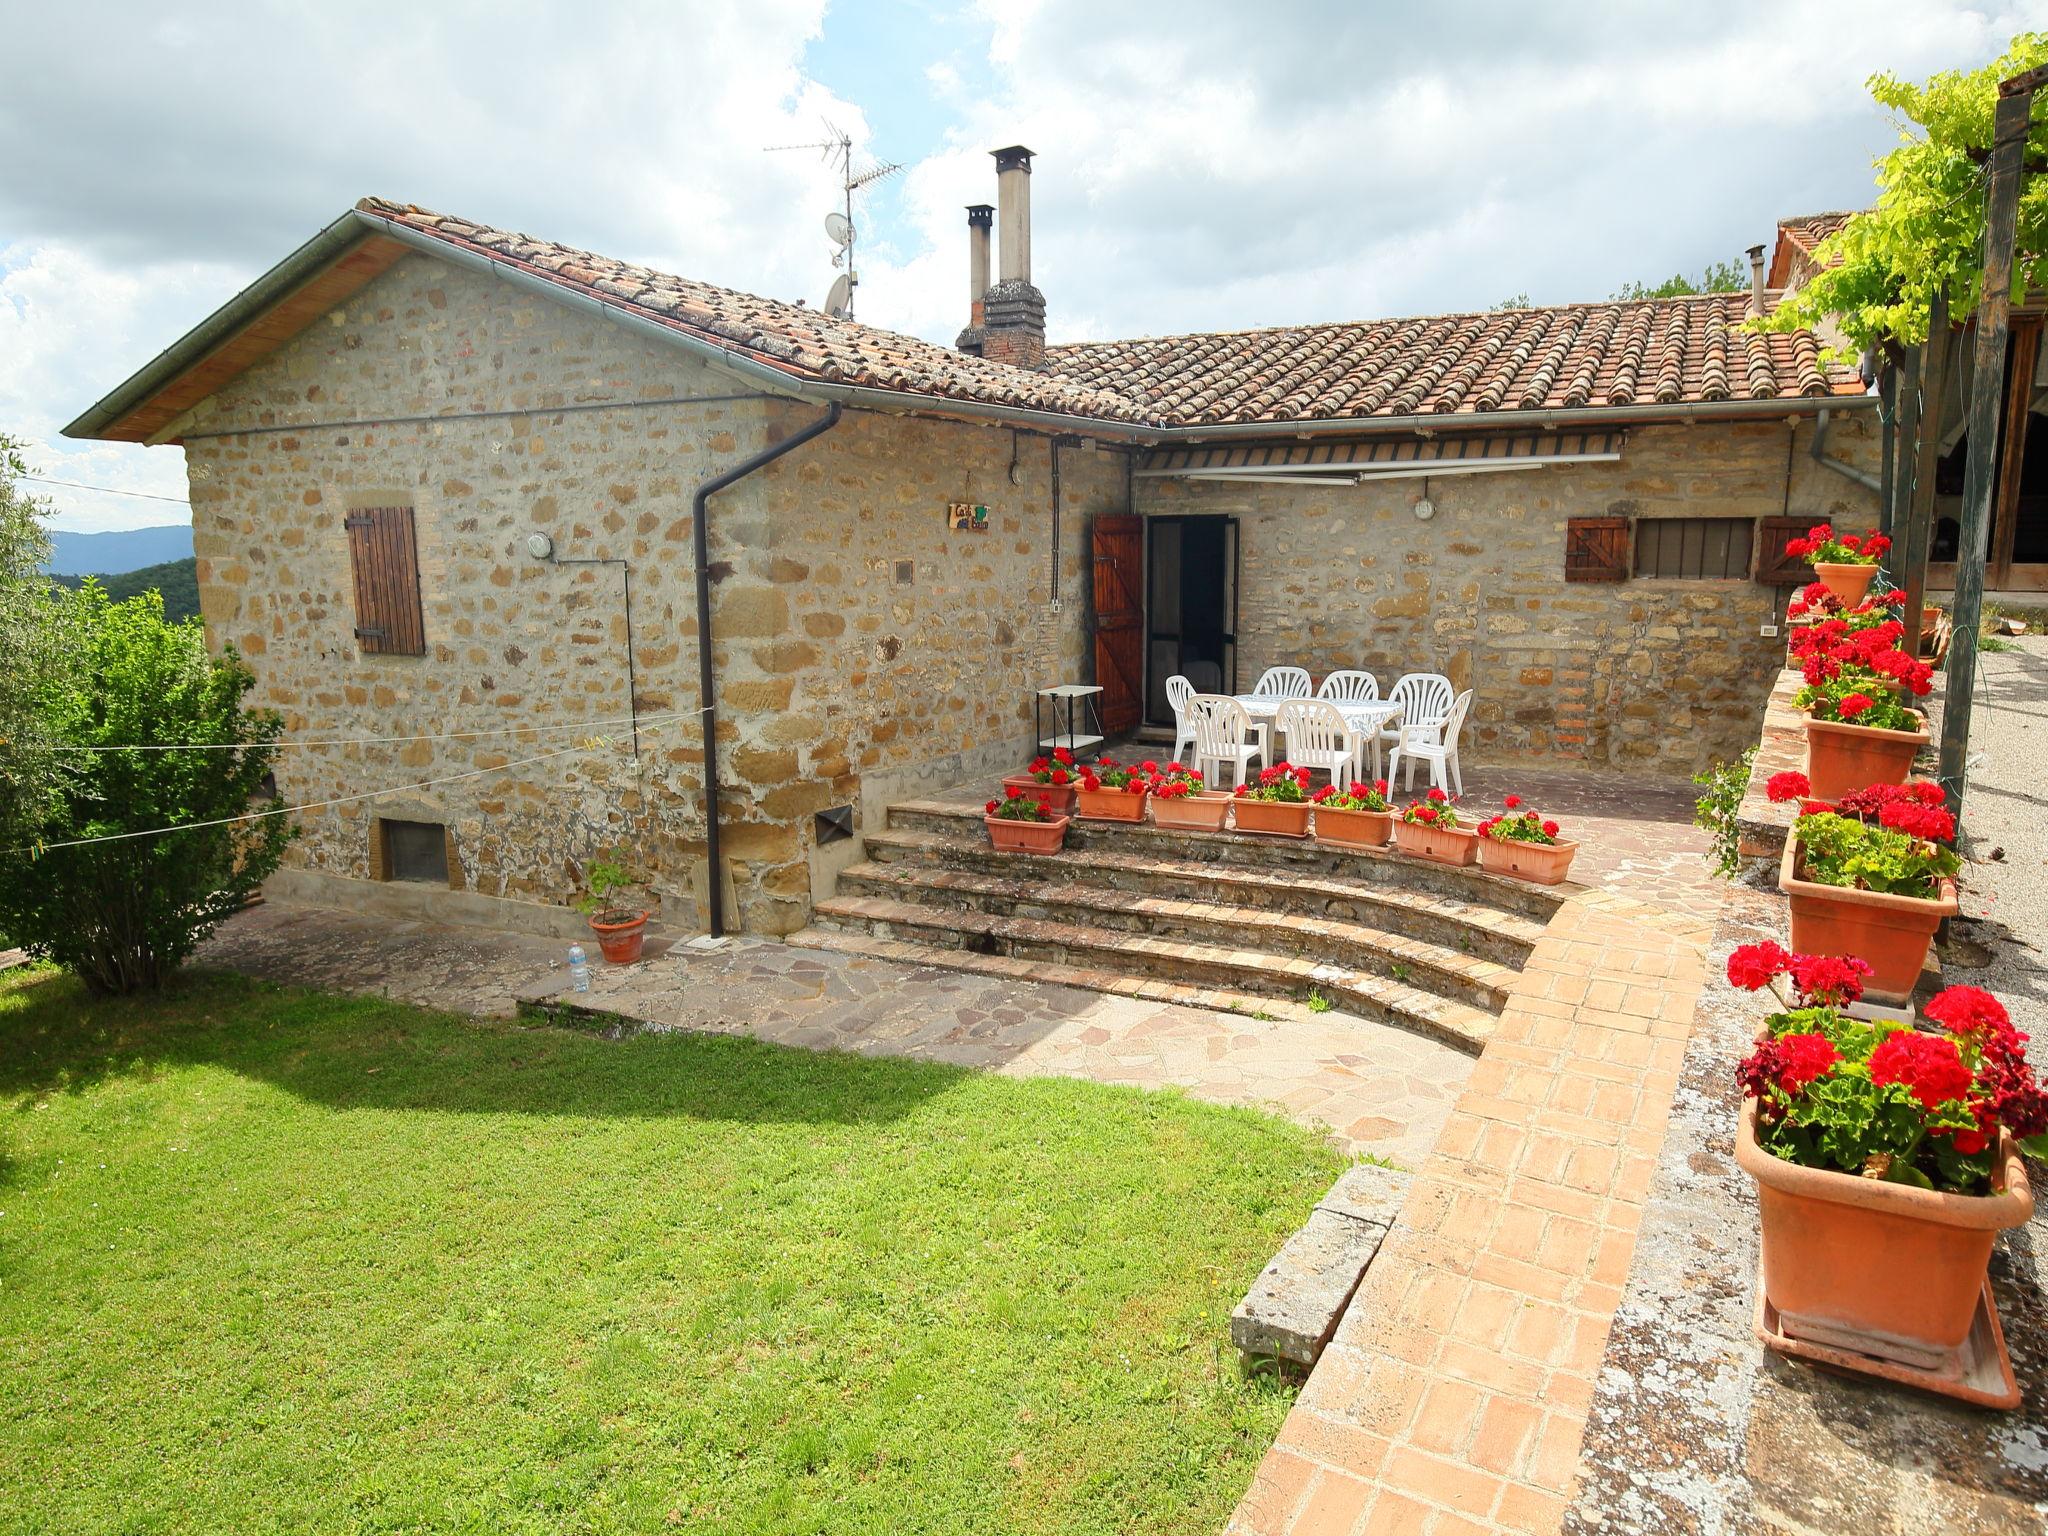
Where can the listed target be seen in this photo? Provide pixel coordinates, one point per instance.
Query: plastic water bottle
(579, 969)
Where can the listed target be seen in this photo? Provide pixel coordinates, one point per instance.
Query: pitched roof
(1628, 353)
(1800, 237)
(802, 342)
(1581, 358)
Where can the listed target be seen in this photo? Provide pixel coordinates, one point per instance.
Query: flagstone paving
(1375, 1088)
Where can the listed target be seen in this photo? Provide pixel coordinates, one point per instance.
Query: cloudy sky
(1202, 165)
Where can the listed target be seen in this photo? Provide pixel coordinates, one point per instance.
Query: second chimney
(1014, 311)
(980, 219)
(1756, 279)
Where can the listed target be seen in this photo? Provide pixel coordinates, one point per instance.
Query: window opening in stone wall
(415, 850)
(1694, 548)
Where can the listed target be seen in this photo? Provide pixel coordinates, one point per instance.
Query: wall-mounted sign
(966, 515)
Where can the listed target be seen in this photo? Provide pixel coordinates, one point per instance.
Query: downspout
(700, 542)
(1818, 448)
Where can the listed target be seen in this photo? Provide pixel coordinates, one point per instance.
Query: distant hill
(178, 580)
(125, 549)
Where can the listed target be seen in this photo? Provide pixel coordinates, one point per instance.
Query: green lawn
(276, 1261)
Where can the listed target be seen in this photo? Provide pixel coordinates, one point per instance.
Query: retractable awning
(1351, 463)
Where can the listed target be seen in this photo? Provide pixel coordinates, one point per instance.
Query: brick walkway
(1454, 1396)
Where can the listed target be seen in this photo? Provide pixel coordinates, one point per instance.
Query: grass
(276, 1261)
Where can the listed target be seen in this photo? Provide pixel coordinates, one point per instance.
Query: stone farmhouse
(489, 494)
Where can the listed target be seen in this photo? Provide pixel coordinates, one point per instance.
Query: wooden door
(1117, 543)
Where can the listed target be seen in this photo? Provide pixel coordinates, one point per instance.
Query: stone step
(945, 935)
(1447, 921)
(1027, 892)
(1250, 851)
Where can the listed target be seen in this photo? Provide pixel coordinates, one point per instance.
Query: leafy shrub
(123, 906)
(1715, 812)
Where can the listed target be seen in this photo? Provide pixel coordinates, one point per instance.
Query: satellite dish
(839, 229)
(840, 299)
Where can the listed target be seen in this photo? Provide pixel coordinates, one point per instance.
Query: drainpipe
(700, 541)
(1818, 448)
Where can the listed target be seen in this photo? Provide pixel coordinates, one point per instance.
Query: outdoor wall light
(1425, 509)
(540, 546)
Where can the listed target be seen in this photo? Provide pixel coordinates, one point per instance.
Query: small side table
(1082, 709)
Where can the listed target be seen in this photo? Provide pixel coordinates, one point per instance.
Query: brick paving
(1454, 1396)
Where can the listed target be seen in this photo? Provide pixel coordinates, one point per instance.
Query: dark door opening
(1191, 608)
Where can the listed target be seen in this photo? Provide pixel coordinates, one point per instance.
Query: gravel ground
(1999, 944)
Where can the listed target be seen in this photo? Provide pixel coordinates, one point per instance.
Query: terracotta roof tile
(1809, 229)
(1629, 353)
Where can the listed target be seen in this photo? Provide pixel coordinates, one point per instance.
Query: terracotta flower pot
(1007, 836)
(1280, 818)
(1542, 863)
(1190, 813)
(1060, 796)
(1444, 845)
(1112, 804)
(1888, 933)
(620, 942)
(1841, 759)
(1354, 829)
(1848, 583)
(1881, 1268)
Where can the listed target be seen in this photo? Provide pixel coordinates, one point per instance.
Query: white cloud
(1203, 165)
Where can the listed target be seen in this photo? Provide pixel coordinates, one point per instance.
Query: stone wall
(1655, 675)
(840, 683)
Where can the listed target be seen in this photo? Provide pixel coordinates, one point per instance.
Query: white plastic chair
(1178, 691)
(1223, 734)
(1284, 683)
(1436, 743)
(1350, 688)
(1318, 737)
(1423, 696)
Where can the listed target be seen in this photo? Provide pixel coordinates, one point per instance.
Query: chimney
(980, 219)
(1013, 310)
(1756, 279)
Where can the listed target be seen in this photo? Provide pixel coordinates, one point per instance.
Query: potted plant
(615, 907)
(1844, 563)
(1051, 778)
(1886, 1161)
(1358, 817)
(1429, 829)
(1024, 824)
(1857, 734)
(1113, 791)
(1179, 802)
(1277, 804)
(1869, 876)
(1521, 843)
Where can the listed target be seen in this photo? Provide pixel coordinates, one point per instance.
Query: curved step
(1447, 921)
(950, 932)
(1432, 967)
(1248, 851)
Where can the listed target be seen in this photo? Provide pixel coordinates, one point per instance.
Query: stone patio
(1374, 1088)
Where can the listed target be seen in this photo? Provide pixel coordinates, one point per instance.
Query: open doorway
(1191, 608)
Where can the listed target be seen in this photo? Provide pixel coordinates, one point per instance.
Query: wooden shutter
(1596, 549)
(1118, 547)
(1775, 568)
(387, 572)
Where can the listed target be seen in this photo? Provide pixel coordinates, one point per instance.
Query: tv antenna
(855, 174)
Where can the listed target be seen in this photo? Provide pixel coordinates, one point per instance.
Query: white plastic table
(1367, 718)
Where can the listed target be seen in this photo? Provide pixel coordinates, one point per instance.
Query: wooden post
(2019, 397)
(1987, 388)
(1906, 447)
(1888, 443)
(1919, 529)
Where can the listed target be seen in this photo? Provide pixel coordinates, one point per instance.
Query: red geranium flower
(1852, 705)
(1512, 801)
(1804, 1058)
(1831, 980)
(993, 806)
(1966, 1010)
(1437, 795)
(1929, 1066)
(1754, 966)
(1550, 829)
(1425, 813)
(1789, 785)
(1060, 775)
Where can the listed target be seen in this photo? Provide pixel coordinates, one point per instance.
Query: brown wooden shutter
(1596, 549)
(1775, 568)
(387, 572)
